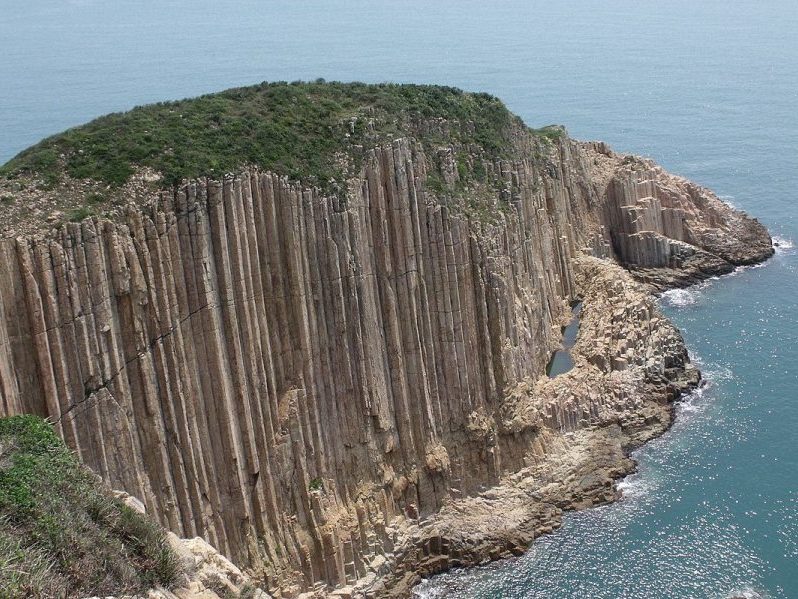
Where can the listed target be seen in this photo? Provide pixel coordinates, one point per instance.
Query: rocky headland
(330, 362)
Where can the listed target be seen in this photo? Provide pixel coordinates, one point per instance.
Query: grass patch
(81, 213)
(296, 129)
(95, 199)
(551, 133)
(62, 533)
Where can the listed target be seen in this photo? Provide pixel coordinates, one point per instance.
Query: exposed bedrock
(310, 383)
(630, 365)
(670, 231)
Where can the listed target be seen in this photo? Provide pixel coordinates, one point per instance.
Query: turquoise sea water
(709, 89)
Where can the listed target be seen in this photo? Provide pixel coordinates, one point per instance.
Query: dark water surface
(561, 362)
(709, 89)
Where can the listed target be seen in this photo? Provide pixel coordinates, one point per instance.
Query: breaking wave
(637, 485)
(782, 245)
(679, 298)
(728, 200)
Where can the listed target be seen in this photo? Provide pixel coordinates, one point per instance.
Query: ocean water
(709, 89)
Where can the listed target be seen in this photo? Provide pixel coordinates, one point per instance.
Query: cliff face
(307, 381)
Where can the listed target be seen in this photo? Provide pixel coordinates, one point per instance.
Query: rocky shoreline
(585, 465)
(631, 366)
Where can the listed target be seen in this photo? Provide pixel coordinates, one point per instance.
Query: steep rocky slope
(344, 387)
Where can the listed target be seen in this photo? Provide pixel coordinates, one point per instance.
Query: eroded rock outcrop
(337, 392)
(668, 230)
(630, 365)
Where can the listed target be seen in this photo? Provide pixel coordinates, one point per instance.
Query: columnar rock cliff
(318, 384)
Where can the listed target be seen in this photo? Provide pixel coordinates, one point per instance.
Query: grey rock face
(305, 382)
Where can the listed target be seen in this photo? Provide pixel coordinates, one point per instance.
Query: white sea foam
(782, 245)
(737, 271)
(728, 200)
(716, 372)
(693, 401)
(448, 584)
(423, 591)
(636, 486)
(747, 593)
(680, 297)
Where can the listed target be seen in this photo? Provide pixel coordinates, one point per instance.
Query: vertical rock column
(285, 373)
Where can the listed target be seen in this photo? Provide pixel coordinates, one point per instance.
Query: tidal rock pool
(561, 362)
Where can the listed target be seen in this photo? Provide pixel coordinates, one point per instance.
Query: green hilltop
(295, 129)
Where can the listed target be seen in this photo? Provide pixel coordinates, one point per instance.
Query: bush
(79, 214)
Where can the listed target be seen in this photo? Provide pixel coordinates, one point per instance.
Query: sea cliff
(343, 388)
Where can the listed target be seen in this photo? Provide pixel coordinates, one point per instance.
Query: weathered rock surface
(670, 231)
(339, 395)
(630, 365)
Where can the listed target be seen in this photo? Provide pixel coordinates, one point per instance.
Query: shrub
(79, 214)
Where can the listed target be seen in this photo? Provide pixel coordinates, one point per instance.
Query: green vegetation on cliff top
(62, 533)
(296, 129)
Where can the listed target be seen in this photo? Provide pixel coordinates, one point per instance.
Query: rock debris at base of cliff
(345, 393)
